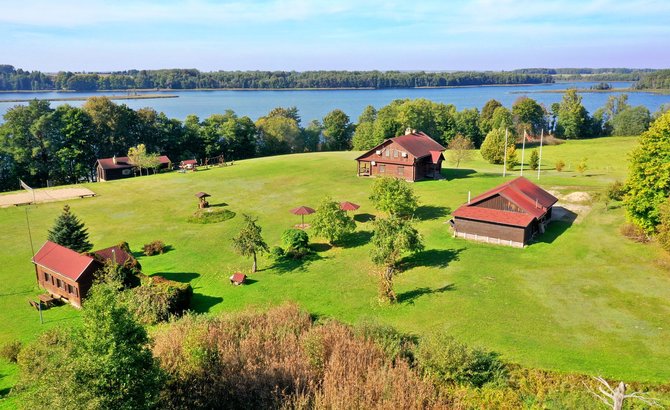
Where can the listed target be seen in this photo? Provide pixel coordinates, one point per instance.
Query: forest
(44, 146)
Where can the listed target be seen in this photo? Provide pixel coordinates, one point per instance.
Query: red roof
(189, 161)
(238, 277)
(62, 260)
(124, 162)
(114, 253)
(417, 143)
(532, 199)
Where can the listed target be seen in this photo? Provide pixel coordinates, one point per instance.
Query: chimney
(408, 131)
(468, 196)
(114, 256)
(114, 159)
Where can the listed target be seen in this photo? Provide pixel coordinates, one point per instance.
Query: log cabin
(108, 169)
(64, 273)
(412, 157)
(511, 214)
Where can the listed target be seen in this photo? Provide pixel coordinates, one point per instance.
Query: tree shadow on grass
(356, 239)
(140, 254)
(183, 277)
(320, 247)
(457, 173)
(411, 295)
(363, 218)
(428, 212)
(203, 303)
(436, 258)
(287, 265)
(220, 204)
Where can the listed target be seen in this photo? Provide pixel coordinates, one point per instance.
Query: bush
(211, 215)
(534, 160)
(10, 351)
(663, 235)
(295, 239)
(615, 191)
(452, 362)
(277, 252)
(560, 165)
(582, 166)
(158, 298)
(154, 248)
(634, 233)
(512, 160)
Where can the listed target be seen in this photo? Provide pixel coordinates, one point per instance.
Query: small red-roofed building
(108, 169)
(64, 273)
(189, 164)
(237, 278)
(510, 214)
(412, 157)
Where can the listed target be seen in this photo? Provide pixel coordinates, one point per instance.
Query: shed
(108, 169)
(237, 278)
(188, 164)
(64, 273)
(510, 214)
(413, 156)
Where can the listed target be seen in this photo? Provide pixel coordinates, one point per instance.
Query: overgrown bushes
(211, 215)
(10, 351)
(158, 298)
(154, 248)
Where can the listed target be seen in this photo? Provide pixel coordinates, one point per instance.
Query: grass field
(582, 299)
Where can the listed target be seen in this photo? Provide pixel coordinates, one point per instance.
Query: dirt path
(44, 195)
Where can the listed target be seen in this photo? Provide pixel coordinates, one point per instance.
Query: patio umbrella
(302, 211)
(348, 206)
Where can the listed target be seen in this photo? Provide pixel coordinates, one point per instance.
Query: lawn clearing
(582, 299)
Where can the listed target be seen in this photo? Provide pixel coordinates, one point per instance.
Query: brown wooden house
(413, 156)
(510, 214)
(108, 169)
(64, 273)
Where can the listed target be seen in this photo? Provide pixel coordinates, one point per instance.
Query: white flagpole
(523, 150)
(539, 161)
(505, 160)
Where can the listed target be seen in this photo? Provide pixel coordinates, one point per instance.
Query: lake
(315, 104)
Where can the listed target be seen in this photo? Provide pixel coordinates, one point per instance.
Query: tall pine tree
(68, 231)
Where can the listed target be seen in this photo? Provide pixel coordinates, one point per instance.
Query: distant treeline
(657, 80)
(184, 79)
(591, 74)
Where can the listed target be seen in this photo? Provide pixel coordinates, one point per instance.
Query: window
(47, 277)
(395, 153)
(401, 170)
(388, 152)
(59, 284)
(70, 289)
(382, 168)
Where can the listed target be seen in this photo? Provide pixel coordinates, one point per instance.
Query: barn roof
(124, 162)
(416, 143)
(532, 199)
(189, 162)
(62, 260)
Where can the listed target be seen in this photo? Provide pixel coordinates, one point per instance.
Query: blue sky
(96, 35)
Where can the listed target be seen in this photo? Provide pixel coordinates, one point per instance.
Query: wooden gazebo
(202, 201)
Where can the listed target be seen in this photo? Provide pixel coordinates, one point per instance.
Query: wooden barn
(64, 273)
(509, 214)
(413, 156)
(108, 169)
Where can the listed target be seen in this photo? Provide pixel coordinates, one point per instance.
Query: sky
(97, 35)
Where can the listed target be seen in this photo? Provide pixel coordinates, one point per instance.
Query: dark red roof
(114, 253)
(62, 260)
(123, 162)
(238, 277)
(189, 161)
(494, 215)
(532, 199)
(302, 210)
(417, 143)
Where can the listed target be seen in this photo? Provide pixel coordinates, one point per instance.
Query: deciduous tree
(460, 149)
(337, 131)
(392, 238)
(493, 147)
(331, 222)
(394, 196)
(249, 241)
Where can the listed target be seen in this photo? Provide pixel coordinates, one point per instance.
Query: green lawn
(582, 299)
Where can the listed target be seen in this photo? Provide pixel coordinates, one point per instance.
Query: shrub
(277, 252)
(634, 233)
(10, 351)
(158, 298)
(293, 239)
(560, 165)
(452, 362)
(615, 191)
(534, 161)
(663, 235)
(512, 160)
(582, 166)
(211, 215)
(154, 248)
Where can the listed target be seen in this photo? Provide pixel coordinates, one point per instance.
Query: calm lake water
(315, 104)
